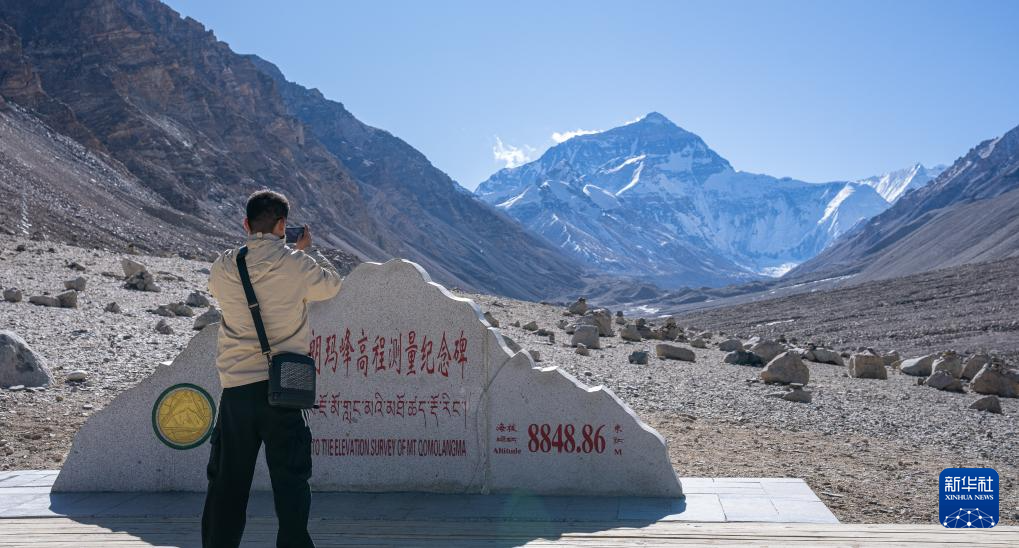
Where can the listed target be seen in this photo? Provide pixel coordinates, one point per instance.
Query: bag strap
(253, 306)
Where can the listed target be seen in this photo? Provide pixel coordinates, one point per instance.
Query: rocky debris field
(966, 308)
(871, 448)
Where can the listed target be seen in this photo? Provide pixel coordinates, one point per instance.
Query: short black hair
(265, 208)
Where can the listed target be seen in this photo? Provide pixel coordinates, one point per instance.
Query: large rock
(630, 333)
(579, 307)
(142, 281)
(730, 345)
(996, 379)
(743, 357)
(949, 362)
(197, 300)
(163, 328)
(670, 331)
(918, 367)
(19, 364)
(698, 343)
(867, 366)
(586, 335)
(13, 295)
(786, 368)
(530, 326)
(620, 320)
(826, 355)
(974, 364)
(470, 419)
(672, 352)
(44, 300)
(768, 350)
(131, 267)
(638, 357)
(603, 319)
(943, 380)
(210, 316)
(68, 299)
(891, 357)
(991, 404)
(77, 284)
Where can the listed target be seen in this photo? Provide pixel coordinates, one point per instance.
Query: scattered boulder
(638, 357)
(620, 320)
(542, 332)
(645, 329)
(786, 368)
(208, 317)
(698, 343)
(630, 333)
(197, 300)
(535, 355)
(113, 308)
(826, 355)
(798, 395)
(918, 367)
(531, 326)
(44, 300)
(730, 345)
(667, 351)
(19, 364)
(948, 361)
(943, 380)
(991, 404)
(131, 267)
(76, 376)
(743, 357)
(163, 310)
(562, 324)
(582, 350)
(586, 335)
(142, 281)
(163, 328)
(603, 320)
(515, 324)
(75, 265)
(974, 364)
(890, 358)
(996, 379)
(767, 350)
(670, 331)
(867, 365)
(68, 299)
(570, 328)
(13, 295)
(579, 307)
(77, 284)
(491, 319)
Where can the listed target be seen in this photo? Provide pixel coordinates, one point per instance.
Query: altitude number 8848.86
(543, 439)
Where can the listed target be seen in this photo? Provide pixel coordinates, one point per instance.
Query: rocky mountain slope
(892, 185)
(443, 226)
(653, 201)
(969, 214)
(200, 127)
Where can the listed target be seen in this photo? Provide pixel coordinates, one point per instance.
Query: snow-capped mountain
(892, 185)
(651, 200)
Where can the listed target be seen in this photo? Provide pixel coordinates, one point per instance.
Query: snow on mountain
(892, 185)
(652, 200)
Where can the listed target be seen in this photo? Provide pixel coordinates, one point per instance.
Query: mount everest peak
(652, 200)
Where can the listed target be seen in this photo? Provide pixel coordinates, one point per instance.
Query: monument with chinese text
(416, 393)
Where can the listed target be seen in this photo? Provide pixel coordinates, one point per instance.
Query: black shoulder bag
(291, 375)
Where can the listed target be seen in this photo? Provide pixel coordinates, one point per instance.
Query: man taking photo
(284, 279)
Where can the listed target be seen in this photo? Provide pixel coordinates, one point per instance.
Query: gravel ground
(871, 449)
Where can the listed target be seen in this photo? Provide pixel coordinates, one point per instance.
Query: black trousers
(246, 420)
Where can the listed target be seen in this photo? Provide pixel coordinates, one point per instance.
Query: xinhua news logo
(968, 498)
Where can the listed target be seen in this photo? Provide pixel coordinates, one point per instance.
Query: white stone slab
(417, 393)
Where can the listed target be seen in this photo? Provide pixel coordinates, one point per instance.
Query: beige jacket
(285, 280)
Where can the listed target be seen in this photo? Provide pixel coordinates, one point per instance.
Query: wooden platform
(184, 532)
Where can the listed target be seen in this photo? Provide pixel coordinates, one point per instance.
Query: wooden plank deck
(118, 532)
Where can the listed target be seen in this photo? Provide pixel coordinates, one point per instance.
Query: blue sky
(816, 90)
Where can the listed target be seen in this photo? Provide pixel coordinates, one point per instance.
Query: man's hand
(305, 241)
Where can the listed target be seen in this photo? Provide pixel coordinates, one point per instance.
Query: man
(284, 280)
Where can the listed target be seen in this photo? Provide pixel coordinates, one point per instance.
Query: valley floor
(871, 450)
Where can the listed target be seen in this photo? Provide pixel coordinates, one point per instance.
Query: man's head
(267, 213)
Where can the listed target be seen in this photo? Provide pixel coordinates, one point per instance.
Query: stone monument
(417, 392)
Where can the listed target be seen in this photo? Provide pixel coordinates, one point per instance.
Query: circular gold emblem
(183, 416)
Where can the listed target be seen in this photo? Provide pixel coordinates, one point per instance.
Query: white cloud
(510, 155)
(567, 135)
